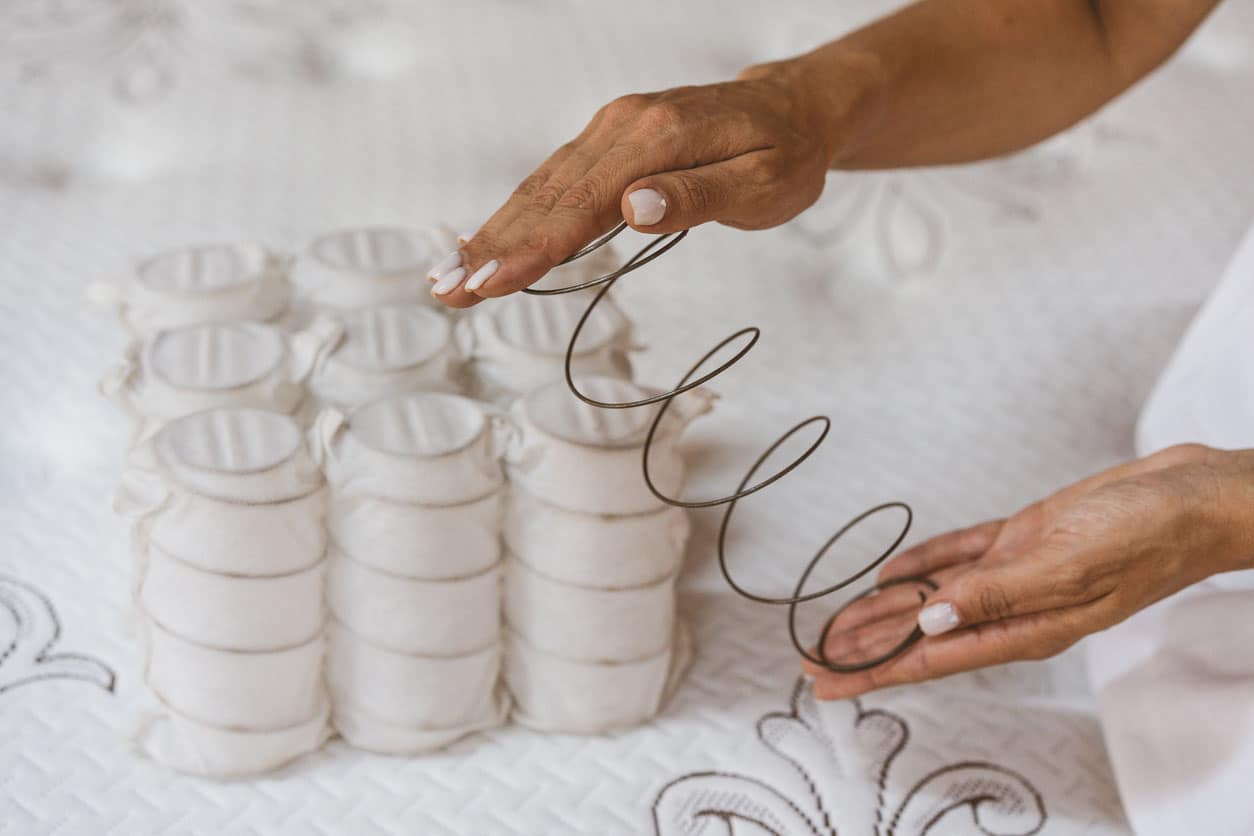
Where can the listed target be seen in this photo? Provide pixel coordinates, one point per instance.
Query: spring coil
(691, 380)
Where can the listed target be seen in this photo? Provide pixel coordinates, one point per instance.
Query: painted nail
(938, 618)
(481, 275)
(449, 281)
(647, 206)
(447, 263)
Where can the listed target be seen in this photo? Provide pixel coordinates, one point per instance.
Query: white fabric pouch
(427, 448)
(449, 617)
(233, 538)
(386, 351)
(560, 695)
(240, 455)
(209, 283)
(365, 731)
(598, 550)
(254, 691)
(587, 624)
(419, 541)
(218, 364)
(358, 268)
(519, 344)
(233, 491)
(185, 745)
(586, 459)
(449, 693)
(233, 611)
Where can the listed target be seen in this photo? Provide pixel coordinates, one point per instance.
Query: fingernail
(448, 263)
(465, 237)
(938, 618)
(449, 281)
(481, 275)
(647, 206)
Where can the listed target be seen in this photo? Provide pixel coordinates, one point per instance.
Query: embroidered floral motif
(27, 639)
(847, 791)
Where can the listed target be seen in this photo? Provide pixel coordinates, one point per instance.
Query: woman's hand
(750, 153)
(941, 81)
(1030, 586)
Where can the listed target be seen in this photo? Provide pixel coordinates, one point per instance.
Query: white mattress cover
(978, 337)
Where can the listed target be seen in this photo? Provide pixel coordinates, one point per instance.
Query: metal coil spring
(655, 248)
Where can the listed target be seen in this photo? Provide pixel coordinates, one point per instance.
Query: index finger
(446, 269)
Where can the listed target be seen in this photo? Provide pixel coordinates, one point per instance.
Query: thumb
(734, 191)
(1036, 582)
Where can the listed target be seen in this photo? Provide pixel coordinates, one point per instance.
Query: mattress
(979, 337)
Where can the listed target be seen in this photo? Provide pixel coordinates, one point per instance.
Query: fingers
(663, 162)
(547, 232)
(981, 615)
(746, 191)
(1035, 636)
(942, 551)
(455, 276)
(1046, 579)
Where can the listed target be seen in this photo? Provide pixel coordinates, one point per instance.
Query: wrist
(1235, 508)
(834, 93)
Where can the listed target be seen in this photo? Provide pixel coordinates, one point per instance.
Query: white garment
(1175, 683)
(209, 283)
(388, 350)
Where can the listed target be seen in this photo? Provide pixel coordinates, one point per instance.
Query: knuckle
(661, 118)
(624, 108)
(624, 153)
(566, 149)
(1073, 581)
(695, 194)
(992, 601)
(767, 170)
(543, 248)
(586, 195)
(531, 184)
(1183, 453)
(546, 197)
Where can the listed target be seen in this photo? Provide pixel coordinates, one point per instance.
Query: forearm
(948, 81)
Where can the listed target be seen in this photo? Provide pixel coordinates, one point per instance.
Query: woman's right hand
(750, 153)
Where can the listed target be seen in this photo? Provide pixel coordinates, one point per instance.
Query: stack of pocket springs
(331, 537)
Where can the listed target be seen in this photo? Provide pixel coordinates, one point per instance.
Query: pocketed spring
(329, 538)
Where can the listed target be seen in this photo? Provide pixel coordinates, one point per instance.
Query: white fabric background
(1038, 300)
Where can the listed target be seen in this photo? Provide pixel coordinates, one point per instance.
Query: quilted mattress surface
(979, 337)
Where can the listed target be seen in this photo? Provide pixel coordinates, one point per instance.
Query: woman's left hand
(1030, 586)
